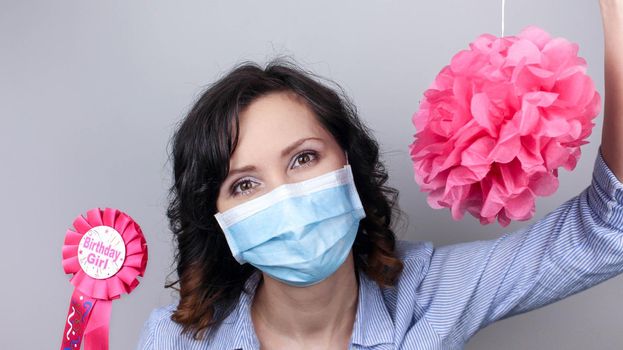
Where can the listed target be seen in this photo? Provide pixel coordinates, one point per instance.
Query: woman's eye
(242, 187)
(246, 186)
(305, 158)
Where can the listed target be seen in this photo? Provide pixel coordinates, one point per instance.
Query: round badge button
(101, 252)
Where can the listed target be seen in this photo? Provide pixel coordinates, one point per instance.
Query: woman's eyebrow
(284, 153)
(297, 143)
(241, 170)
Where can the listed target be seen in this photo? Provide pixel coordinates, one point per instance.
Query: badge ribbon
(106, 253)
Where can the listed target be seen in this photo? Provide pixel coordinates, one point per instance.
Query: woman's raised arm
(612, 134)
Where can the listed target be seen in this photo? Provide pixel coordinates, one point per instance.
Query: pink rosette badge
(105, 253)
(498, 121)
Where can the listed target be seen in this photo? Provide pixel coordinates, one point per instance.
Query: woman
(282, 221)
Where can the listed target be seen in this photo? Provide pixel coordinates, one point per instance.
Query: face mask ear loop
(346, 152)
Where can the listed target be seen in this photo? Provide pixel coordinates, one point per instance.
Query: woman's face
(280, 141)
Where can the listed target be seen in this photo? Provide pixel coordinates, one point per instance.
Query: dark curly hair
(210, 279)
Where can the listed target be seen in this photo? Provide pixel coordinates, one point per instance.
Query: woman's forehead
(272, 122)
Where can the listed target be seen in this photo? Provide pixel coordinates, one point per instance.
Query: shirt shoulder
(416, 258)
(161, 332)
(158, 318)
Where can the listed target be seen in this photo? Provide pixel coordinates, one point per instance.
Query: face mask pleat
(312, 272)
(285, 217)
(308, 247)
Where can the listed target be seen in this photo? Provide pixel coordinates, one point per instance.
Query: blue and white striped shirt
(446, 294)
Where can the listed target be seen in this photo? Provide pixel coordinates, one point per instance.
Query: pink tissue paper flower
(498, 121)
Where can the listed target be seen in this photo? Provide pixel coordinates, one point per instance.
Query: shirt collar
(237, 330)
(373, 324)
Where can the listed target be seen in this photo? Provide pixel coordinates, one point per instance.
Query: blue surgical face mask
(299, 233)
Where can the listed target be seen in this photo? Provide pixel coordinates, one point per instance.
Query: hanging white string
(503, 7)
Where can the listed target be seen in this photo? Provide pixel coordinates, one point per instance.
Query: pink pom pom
(497, 123)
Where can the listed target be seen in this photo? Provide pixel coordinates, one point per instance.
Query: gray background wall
(90, 92)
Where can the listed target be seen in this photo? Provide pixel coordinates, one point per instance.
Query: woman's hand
(608, 2)
(612, 132)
